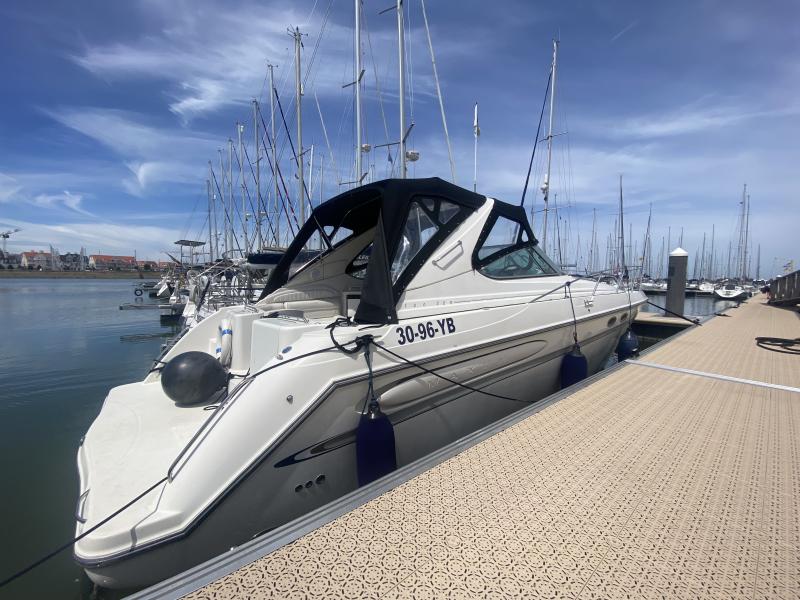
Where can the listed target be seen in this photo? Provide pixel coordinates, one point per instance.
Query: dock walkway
(645, 482)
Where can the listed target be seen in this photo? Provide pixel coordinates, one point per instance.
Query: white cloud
(65, 198)
(13, 190)
(213, 56)
(9, 187)
(147, 241)
(150, 152)
(624, 30)
(704, 115)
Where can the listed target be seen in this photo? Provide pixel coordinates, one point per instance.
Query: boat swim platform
(642, 481)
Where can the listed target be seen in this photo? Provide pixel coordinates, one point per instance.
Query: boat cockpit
(360, 251)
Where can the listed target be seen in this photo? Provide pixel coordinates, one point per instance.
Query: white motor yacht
(413, 307)
(705, 287)
(731, 291)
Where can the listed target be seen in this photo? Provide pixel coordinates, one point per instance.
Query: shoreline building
(36, 259)
(107, 262)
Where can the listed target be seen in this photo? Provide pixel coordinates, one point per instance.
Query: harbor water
(695, 306)
(65, 344)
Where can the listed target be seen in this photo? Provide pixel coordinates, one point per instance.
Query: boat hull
(725, 295)
(315, 462)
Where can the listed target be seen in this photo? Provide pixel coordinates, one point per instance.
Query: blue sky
(110, 110)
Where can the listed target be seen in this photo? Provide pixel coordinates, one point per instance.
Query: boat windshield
(321, 242)
(425, 217)
(508, 252)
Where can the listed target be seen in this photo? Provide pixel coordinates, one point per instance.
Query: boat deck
(645, 482)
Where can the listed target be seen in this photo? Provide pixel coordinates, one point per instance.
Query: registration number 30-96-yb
(424, 330)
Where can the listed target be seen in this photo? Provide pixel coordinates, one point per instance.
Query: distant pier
(676, 474)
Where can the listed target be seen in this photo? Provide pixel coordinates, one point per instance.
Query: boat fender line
(358, 342)
(574, 365)
(225, 342)
(628, 344)
(376, 453)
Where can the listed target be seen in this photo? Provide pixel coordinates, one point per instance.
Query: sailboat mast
(230, 192)
(402, 88)
(546, 185)
(259, 212)
(274, 156)
(745, 265)
(621, 232)
(225, 236)
(703, 256)
(711, 258)
(728, 270)
(758, 263)
(476, 130)
(298, 84)
(645, 245)
(246, 249)
(358, 90)
(592, 257)
(210, 223)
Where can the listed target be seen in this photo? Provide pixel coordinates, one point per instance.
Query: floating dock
(675, 475)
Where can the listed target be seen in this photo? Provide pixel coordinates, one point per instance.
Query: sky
(110, 112)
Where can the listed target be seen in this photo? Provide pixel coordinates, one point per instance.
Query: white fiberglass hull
(737, 294)
(313, 462)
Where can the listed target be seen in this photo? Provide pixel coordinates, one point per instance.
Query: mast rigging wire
(536, 142)
(439, 94)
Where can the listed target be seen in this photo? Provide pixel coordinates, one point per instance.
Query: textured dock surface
(646, 483)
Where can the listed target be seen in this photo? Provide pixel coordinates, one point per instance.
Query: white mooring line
(773, 386)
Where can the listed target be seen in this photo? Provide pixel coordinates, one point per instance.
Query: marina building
(107, 262)
(36, 259)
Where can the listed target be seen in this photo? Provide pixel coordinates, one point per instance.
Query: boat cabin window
(508, 252)
(424, 219)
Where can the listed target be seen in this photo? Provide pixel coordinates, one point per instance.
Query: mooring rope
(167, 477)
(694, 321)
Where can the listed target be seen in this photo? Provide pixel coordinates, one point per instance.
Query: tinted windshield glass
(508, 252)
(317, 245)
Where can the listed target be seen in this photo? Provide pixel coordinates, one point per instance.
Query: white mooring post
(676, 280)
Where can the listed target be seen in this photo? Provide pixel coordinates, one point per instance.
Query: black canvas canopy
(383, 205)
